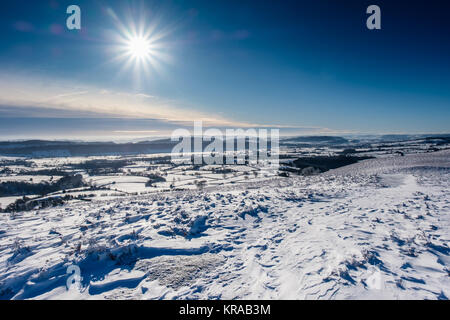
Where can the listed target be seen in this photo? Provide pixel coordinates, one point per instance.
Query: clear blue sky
(307, 66)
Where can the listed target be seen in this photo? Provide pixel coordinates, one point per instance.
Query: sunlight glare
(139, 47)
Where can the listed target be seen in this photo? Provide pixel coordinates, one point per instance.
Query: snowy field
(375, 229)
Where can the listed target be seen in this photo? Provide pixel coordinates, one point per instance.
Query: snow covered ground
(375, 229)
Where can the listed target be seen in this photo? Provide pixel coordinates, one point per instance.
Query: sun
(139, 47)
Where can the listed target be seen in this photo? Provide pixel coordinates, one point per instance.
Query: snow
(375, 229)
(5, 201)
(30, 178)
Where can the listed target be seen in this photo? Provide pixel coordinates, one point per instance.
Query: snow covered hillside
(374, 229)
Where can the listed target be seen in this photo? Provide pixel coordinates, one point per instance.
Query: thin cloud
(34, 97)
(142, 95)
(70, 94)
(17, 91)
(136, 131)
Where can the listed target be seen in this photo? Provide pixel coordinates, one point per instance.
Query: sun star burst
(140, 46)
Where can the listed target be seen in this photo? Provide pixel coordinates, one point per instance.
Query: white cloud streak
(61, 95)
(42, 95)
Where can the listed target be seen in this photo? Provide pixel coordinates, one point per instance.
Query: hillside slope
(374, 229)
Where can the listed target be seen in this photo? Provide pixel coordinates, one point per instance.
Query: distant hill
(42, 148)
(315, 140)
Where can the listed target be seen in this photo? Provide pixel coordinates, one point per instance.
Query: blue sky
(307, 67)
